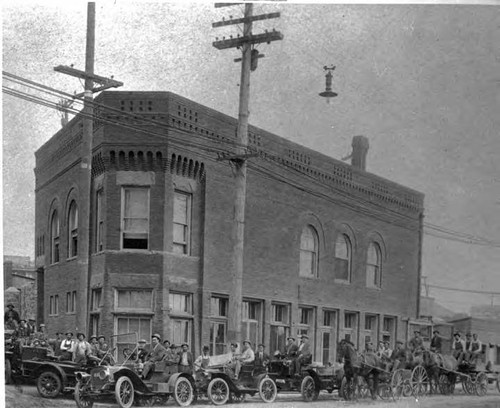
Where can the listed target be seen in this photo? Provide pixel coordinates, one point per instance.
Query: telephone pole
(248, 63)
(85, 185)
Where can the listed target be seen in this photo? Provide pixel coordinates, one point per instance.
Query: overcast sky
(422, 82)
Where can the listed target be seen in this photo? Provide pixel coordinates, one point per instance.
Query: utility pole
(85, 185)
(248, 63)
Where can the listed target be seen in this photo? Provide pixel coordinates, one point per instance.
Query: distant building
(331, 250)
(486, 312)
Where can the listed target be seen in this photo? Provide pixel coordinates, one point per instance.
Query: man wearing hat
(94, 346)
(436, 342)
(416, 343)
(261, 357)
(304, 355)
(203, 361)
(23, 331)
(185, 362)
(475, 349)
(67, 347)
(247, 357)
(31, 326)
(11, 313)
(458, 347)
(398, 356)
(291, 348)
(83, 349)
(156, 354)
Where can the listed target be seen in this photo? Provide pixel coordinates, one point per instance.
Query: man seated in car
(304, 355)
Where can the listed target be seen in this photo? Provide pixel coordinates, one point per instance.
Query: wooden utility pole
(85, 185)
(248, 63)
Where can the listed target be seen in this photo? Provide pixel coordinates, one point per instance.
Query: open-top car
(309, 382)
(124, 384)
(37, 364)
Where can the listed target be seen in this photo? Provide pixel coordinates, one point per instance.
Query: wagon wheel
(444, 384)
(308, 389)
(218, 391)
(362, 389)
(481, 384)
(347, 389)
(467, 385)
(267, 390)
(237, 397)
(82, 401)
(397, 383)
(124, 392)
(183, 392)
(419, 381)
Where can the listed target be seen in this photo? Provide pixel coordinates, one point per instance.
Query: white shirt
(247, 356)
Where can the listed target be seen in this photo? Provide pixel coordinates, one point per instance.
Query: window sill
(374, 287)
(308, 277)
(73, 258)
(71, 313)
(342, 282)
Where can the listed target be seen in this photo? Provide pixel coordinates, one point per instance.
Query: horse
(364, 365)
(434, 363)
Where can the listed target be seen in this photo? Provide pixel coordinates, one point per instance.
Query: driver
(156, 354)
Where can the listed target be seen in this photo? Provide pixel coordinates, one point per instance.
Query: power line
(463, 290)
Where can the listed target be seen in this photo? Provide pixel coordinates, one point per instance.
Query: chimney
(359, 150)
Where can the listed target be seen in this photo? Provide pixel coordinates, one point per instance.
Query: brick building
(330, 249)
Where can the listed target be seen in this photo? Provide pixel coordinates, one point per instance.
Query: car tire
(183, 392)
(124, 392)
(308, 389)
(81, 400)
(49, 384)
(218, 391)
(267, 390)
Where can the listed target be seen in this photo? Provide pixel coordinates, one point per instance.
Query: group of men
(468, 350)
(300, 354)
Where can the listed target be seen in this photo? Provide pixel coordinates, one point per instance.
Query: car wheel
(267, 390)
(183, 392)
(308, 389)
(8, 372)
(124, 392)
(218, 391)
(82, 401)
(49, 384)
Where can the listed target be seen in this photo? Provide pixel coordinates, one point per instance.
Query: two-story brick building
(330, 249)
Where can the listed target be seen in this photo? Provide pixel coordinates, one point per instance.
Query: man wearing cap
(291, 348)
(185, 363)
(67, 347)
(203, 361)
(436, 342)
(247, 357)
(83, 349)
(261, 357)
(156, 354)
(304, 355)
(11, 313)
(416, 344)
(142, 351)
(458, 348)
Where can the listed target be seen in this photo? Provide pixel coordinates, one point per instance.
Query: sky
(422, 82)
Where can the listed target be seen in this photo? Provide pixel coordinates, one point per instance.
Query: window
(308, 252)
(54, 305)
(343, 258)
(131, 324)
(370, 322)
(54, 238)
(182, 220)
(389, 324)
(180, 303)
(96, 301)
(280, 329)
(71, 302)
(137, 300)
(73, 230)
(94, 323)
(218, 306)
(135, 222)
(329, 318)
(181, 318)
(305, 315)
(99, 222)
(350, 320)
(373, 266)
(251, 321)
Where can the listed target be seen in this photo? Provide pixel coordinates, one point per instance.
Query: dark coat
(261, 361)
(291, 350)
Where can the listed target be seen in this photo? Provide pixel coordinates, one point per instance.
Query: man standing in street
(185, 364)
(156, 354)
(83, 349)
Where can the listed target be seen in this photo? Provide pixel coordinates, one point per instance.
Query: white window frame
(147, 218)
(348, 244)
(305, 253)
(186, 244)
(73, 230)
(216, 320)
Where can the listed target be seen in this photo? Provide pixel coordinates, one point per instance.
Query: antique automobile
(123, 384)
(309, 382)
(36, 364)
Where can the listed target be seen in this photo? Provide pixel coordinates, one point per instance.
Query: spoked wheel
(308, 389)
(481, 384)
(49, 384)
(444, 384)
(467, 385)
(347, 389)
(183, 392)
(267, 390)
(397, 383)
(362, 389)
(124, 392)
(419, 381)
(82, 401)
(218, 391)
(237, 397)
(384, 391)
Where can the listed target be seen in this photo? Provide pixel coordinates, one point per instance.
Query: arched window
(309, 252)
(54, 238)
(73, 230)
(343, 254)
(374, 266)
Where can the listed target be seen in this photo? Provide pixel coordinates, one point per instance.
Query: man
(398, 356)
(380, 349)
(67, 347)
(23, 331)
(82, 349)
(291, 348)
(475, 348)
(436, 342)
(11, 324)
(57, 343)
(261, 357)
(103, 350)
(247, 357)
(387, 352)
(142, 351)
(94, 346)
(185, 363)
(31, 326)
(370, 348)
(304, 355)
(156, 354)
(11, 313)
(458, 348)
(41, 334)
(203, 361)
(416, 344)
(171, 359)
